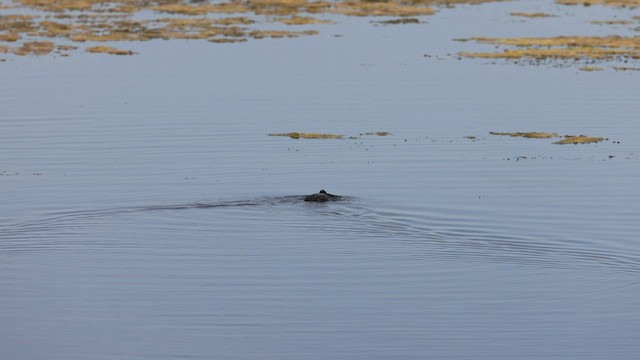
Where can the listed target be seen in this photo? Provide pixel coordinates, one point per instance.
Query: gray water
(146, 214)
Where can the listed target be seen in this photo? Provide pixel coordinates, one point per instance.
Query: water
(146, 214)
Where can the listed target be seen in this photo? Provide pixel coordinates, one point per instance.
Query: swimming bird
(321, 196)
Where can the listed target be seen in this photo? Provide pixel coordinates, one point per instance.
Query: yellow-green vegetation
(620, 3)
(531, 14)
(230, 21)
(298, 135)
(382, 8)
(562, 47)
(301, 20)
(578, 139)
(275, 34)
(141, 20)
(591, 68)
(238, 20)
(109, 50)
(37, 48)
(530, 135)
(10, 37)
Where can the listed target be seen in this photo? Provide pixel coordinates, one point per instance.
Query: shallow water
(146, 214)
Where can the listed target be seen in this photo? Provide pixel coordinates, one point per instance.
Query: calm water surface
(146, 215)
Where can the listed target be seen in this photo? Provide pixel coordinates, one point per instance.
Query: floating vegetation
(382, 8)
(117, 20)
(578, 139)
(568, 139)
(10, 37)
(562, 48)
(302, 20)
(232, 21)
(275, 34)
(531, 14)
(591, 68)
(530, 135)
(611, 22)
(298, 135)
(377, 133)
(626, 68)
(37, 48)
(109, 50)
(237, 20)
(618, 3)
(398, 21)
(227, 40)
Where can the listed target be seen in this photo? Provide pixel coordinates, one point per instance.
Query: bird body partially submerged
(321, 196)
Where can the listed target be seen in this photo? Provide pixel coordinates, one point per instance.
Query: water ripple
(411, 235)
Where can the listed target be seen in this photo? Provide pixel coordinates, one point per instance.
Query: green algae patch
(531, 14)
(578, 139)
(529, 135)
(298, 135)
(109, 50)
